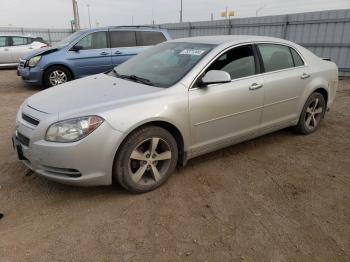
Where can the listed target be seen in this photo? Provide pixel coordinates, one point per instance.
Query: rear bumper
(31, 76)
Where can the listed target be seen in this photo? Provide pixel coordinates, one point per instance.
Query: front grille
(30, 119)
(23, 139)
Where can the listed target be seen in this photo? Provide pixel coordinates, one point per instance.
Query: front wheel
(312, 114)
(56, 75)
(146, 159)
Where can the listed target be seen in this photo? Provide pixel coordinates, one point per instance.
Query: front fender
(172, 109)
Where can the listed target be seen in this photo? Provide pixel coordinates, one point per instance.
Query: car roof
(228, 39)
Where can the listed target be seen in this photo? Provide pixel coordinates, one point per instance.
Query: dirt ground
(281, 197)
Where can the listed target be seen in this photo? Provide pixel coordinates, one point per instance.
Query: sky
(58, 13)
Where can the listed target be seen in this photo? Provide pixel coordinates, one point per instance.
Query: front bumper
(88, 162)
(33, 76)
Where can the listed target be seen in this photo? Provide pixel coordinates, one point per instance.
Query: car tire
(56, 75)
(145, 160)
(312, 114)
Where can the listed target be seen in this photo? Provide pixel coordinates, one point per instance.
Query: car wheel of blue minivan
(56, 75)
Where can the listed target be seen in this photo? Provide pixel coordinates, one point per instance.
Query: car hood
(90, 95)
(40, 51)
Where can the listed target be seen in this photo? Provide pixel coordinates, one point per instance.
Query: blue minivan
(87, 52)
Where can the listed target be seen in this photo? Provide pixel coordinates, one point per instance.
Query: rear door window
(275, 57)
(122, 38)
(3, 41)
(97, 40)
(147, 38)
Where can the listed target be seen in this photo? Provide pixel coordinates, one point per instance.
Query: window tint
(19, 40)
(149, 38)
(122, 38)
(238, 62)
(96, 40)
(275, 57)
(3, 41)
(298, 61)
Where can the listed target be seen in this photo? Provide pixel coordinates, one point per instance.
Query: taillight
(44, 46)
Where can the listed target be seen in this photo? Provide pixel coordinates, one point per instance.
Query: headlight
(34, 61)
(72, 130)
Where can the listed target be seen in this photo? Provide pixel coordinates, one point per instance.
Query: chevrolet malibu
(172, 102)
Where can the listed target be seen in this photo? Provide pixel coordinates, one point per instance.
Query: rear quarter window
(298, 61)
(145, 38)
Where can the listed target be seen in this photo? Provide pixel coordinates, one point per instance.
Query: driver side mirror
(76, 48)
(215, 77)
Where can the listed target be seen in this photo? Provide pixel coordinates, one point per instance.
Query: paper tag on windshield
(192, 52)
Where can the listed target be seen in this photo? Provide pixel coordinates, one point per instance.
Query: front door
(222, 114)
(95, 56)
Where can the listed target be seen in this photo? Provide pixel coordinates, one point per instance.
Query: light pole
(88, 6)
(76, 15)
(181, 10)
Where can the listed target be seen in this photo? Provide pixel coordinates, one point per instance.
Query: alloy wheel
(150, 161)
(58, 77)
(313, 114)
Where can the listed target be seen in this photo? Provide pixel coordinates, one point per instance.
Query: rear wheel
(312, 114)
(146, 159)
(56, 75)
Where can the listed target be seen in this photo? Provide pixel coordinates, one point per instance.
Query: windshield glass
(68, 39)
(163, 65)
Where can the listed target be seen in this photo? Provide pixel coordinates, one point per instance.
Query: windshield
(163, 65)
(68, 39)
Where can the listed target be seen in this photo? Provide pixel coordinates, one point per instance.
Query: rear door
(95, 56)
(123, 45)
(285, 81)
(5, 55)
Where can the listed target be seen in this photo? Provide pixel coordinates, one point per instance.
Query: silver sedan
(173, 102)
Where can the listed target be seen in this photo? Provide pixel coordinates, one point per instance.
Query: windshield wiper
(134, 78)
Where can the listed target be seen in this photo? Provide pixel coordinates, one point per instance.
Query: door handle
(305, 76)
(104, 53)
(118, 52)
(30, 47)
(255, 86)
(6, 49)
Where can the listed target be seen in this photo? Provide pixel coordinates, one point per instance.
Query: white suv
(12, 47)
